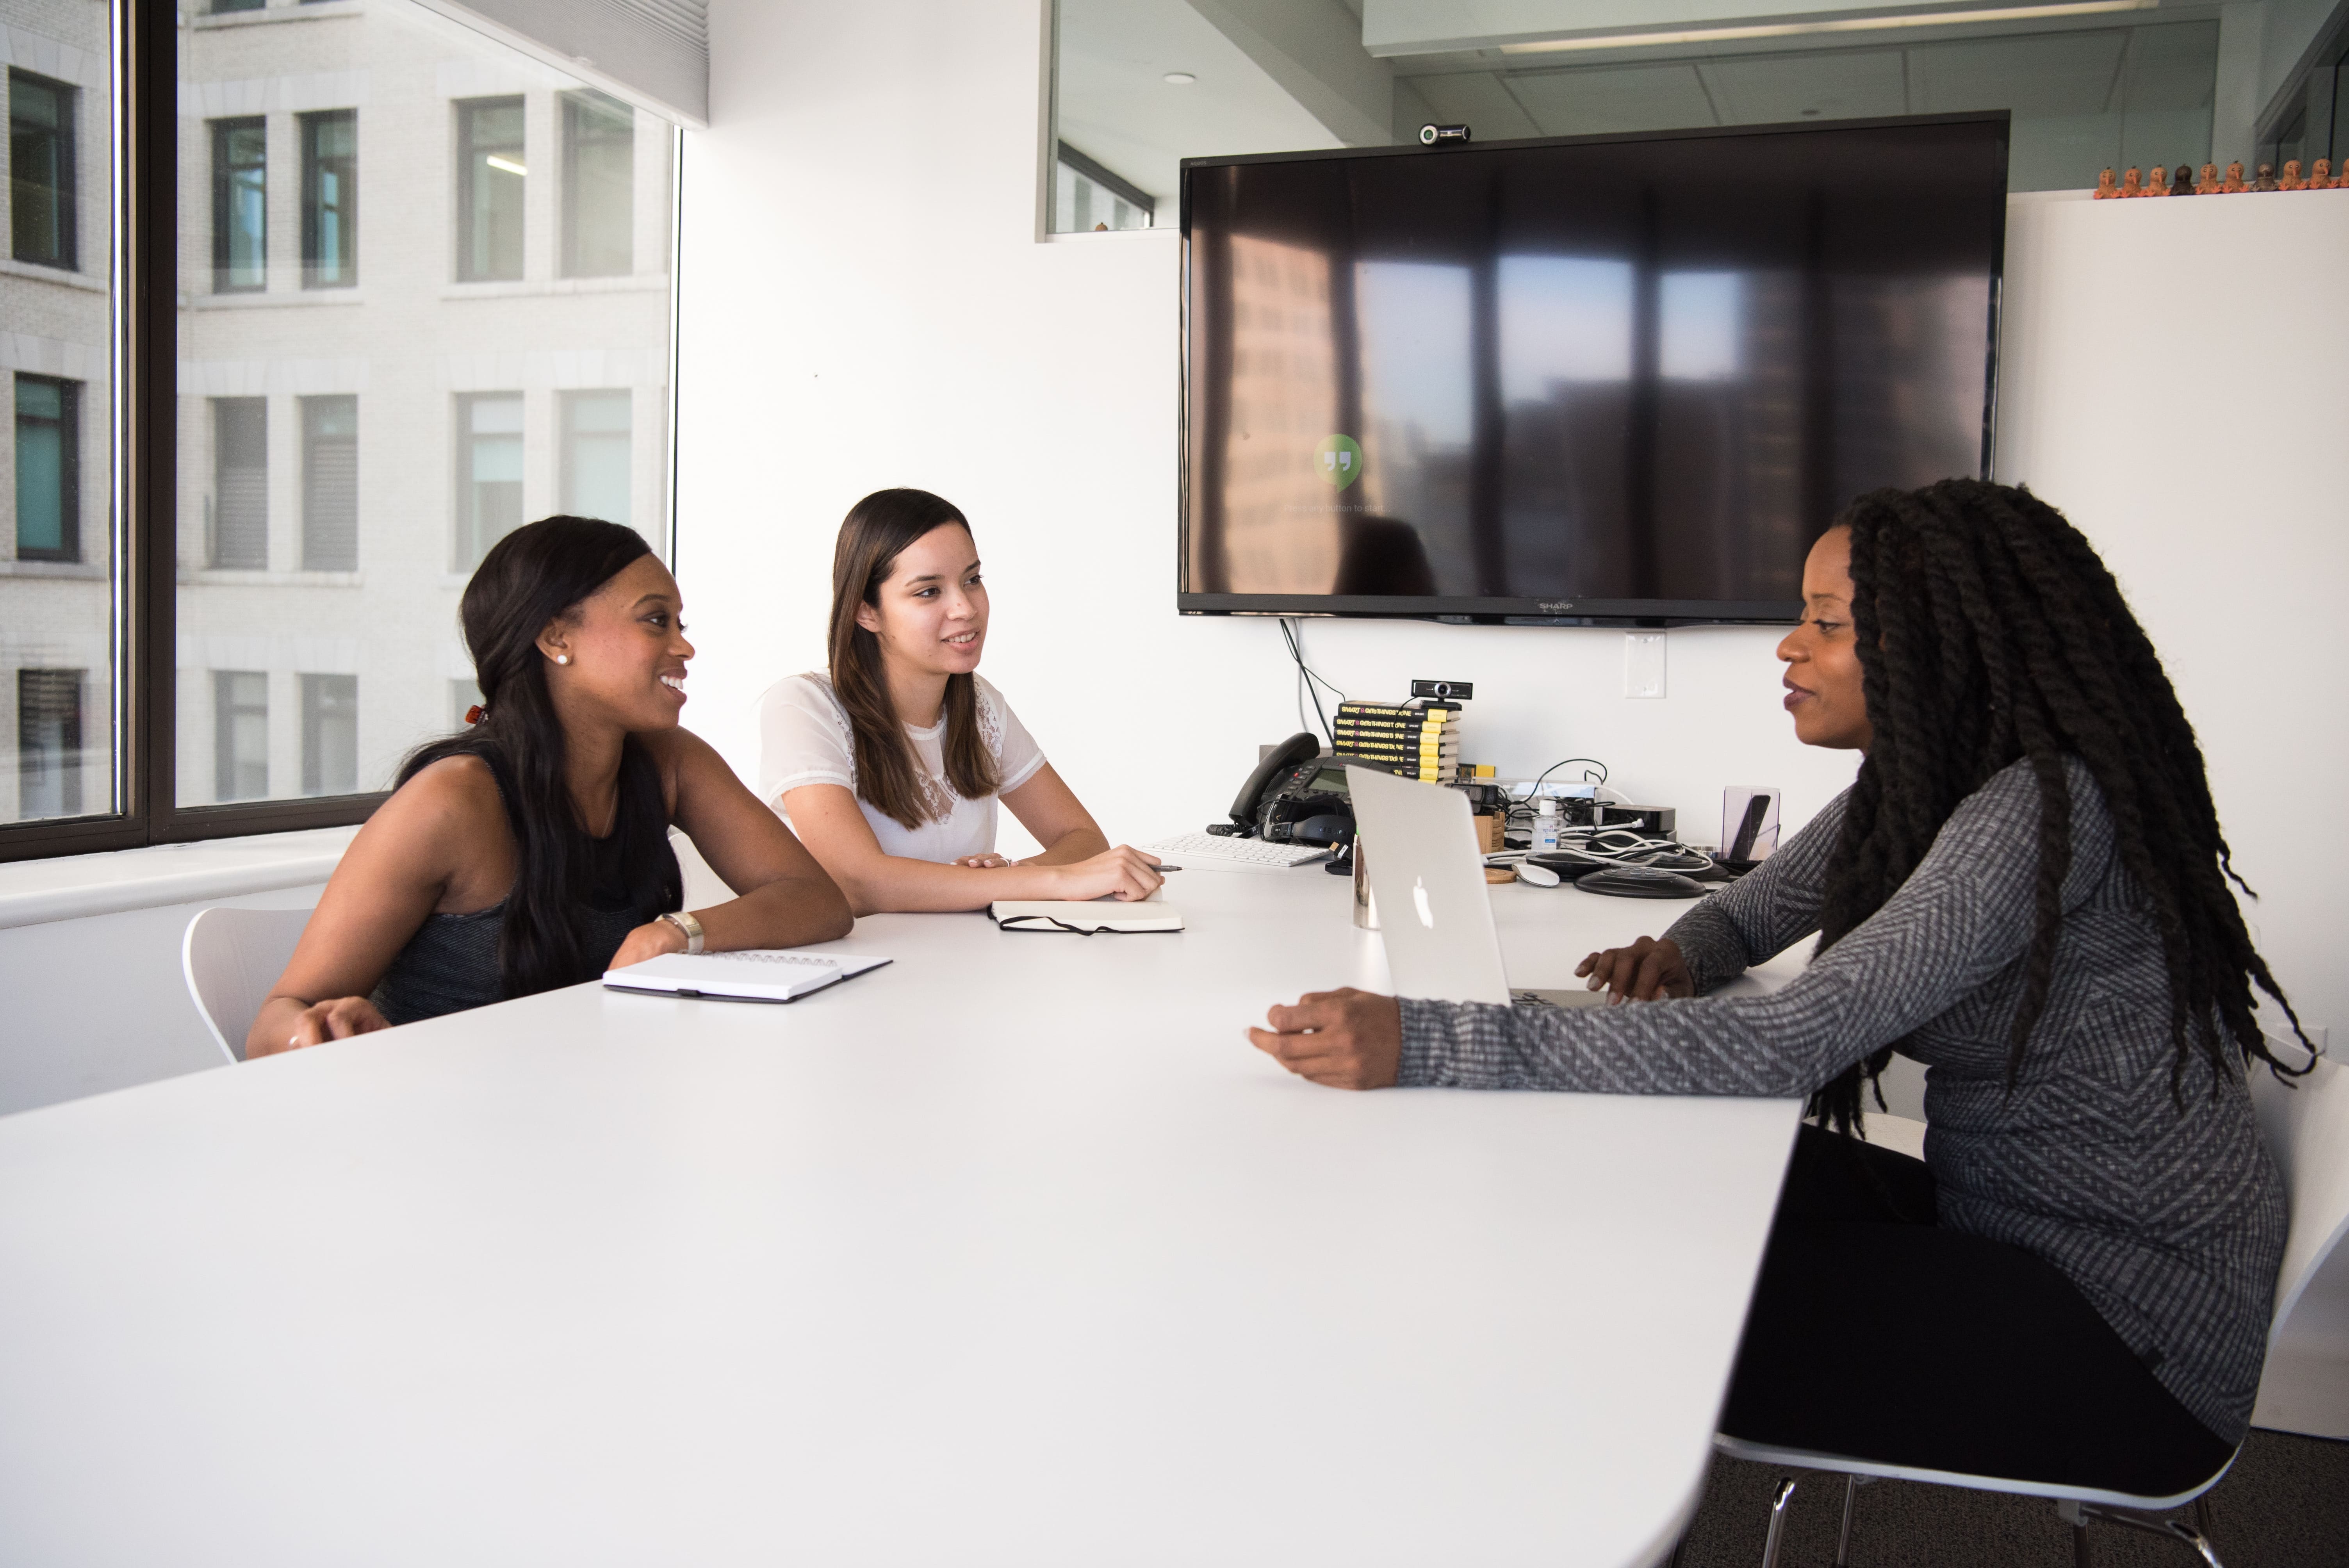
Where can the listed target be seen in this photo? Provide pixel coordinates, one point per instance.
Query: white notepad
(1083, 918)
(754, 975)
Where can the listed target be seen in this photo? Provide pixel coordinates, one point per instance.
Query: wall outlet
(1643, 663)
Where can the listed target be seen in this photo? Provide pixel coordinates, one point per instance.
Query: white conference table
(1012, 1252)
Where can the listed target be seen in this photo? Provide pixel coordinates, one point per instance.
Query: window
(490, 169)
(240, 734)
(596, 455)
(240, 534)
(330, 199)
(599, 179)
(330, 484)
(330, 735)
(48, 469)
(240, 204)
(222, 7)
(1088, 197)
(194, 647)
(489, 472)
(41, 194)
(48, 743)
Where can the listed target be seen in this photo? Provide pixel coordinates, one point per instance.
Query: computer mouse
(1639, 882)
(1539, 876)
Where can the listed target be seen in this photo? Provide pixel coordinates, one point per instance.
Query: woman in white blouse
(889, 768)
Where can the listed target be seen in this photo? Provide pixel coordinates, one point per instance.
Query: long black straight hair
(538, 573)
(1990, 632)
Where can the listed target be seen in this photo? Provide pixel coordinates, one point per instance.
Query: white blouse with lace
(804, 739)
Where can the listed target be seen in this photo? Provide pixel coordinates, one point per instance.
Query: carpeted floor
(2284, 1505)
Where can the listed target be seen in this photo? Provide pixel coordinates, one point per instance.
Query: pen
(1166, 868)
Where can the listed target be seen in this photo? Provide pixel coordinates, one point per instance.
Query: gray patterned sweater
(2171, 1222)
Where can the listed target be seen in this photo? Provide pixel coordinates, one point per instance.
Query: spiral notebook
(754, 975)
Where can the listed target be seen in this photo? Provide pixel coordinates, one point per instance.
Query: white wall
(865, 304)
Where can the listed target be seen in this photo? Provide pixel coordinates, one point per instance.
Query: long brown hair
(875, 532)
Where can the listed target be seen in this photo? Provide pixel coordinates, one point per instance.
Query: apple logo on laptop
(1419, 900)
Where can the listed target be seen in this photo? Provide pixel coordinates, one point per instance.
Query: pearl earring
(562, 658)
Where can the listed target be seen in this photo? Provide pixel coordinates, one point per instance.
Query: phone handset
(1296, 749)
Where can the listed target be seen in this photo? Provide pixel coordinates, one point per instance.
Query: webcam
(1448, 135)
(1445, 691)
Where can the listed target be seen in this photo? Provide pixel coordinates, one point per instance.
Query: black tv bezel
(1511, 612)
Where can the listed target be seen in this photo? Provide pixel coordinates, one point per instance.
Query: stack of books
(1421, 741)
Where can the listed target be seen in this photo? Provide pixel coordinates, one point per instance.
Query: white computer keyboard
(1251, 852)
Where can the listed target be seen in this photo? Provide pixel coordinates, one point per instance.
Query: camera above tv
(1591, 380)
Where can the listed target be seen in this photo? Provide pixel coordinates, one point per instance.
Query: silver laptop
(1435, 913)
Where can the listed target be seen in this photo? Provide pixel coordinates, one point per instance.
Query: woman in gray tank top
(531, 851)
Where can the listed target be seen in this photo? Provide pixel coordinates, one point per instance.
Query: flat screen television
(1592, 380)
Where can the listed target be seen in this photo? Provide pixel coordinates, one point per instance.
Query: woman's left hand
(1345, 1038)
(651, 940)
(983, 863)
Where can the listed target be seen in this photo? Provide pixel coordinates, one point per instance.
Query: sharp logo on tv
(1339, 460)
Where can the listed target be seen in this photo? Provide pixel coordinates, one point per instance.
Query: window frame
(140, 475)
(66, 213)
(309, 126)
(470, 151)
(218, 132)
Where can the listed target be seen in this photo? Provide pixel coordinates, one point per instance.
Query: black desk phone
(1296, 796)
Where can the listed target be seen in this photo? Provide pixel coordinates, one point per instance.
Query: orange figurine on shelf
(2157, 182)
(2207, 185)
(2292, 179)
(2234, 179)
(2182, 183)
(2320, 177)
(2105, 188)
(2133, 182)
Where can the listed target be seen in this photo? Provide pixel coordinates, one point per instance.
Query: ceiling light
(508, 164)
(1179, 79)
(1839, 24)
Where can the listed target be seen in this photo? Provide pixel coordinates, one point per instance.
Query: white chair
(2306, 1127)
(231, 958)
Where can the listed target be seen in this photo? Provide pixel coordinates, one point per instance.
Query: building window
(330, 484)
(48, 742)
(596, 455)
(240, 734)
(490, 173)
(241, 484)
(330, 199)
(48, 469)
(222, 7)
(330, 735)
(489, 472)
(599, 181)
(41, 168)
(240, 205)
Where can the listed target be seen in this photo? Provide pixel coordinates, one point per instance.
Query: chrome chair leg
(1843, 1536)
(1778, 1521)
(2178, 1530)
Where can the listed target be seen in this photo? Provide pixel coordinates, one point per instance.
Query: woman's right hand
(1642, 972)
(337, 1018)
(1123, 872)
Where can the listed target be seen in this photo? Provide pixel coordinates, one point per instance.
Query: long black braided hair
(1988, 631)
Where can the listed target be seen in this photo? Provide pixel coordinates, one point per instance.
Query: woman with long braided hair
(2026, 890)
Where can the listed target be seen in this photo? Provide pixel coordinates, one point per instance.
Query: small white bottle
(1546, 826)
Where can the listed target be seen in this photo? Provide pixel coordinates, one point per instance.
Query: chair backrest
(2306, 1126)
(232, 958)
